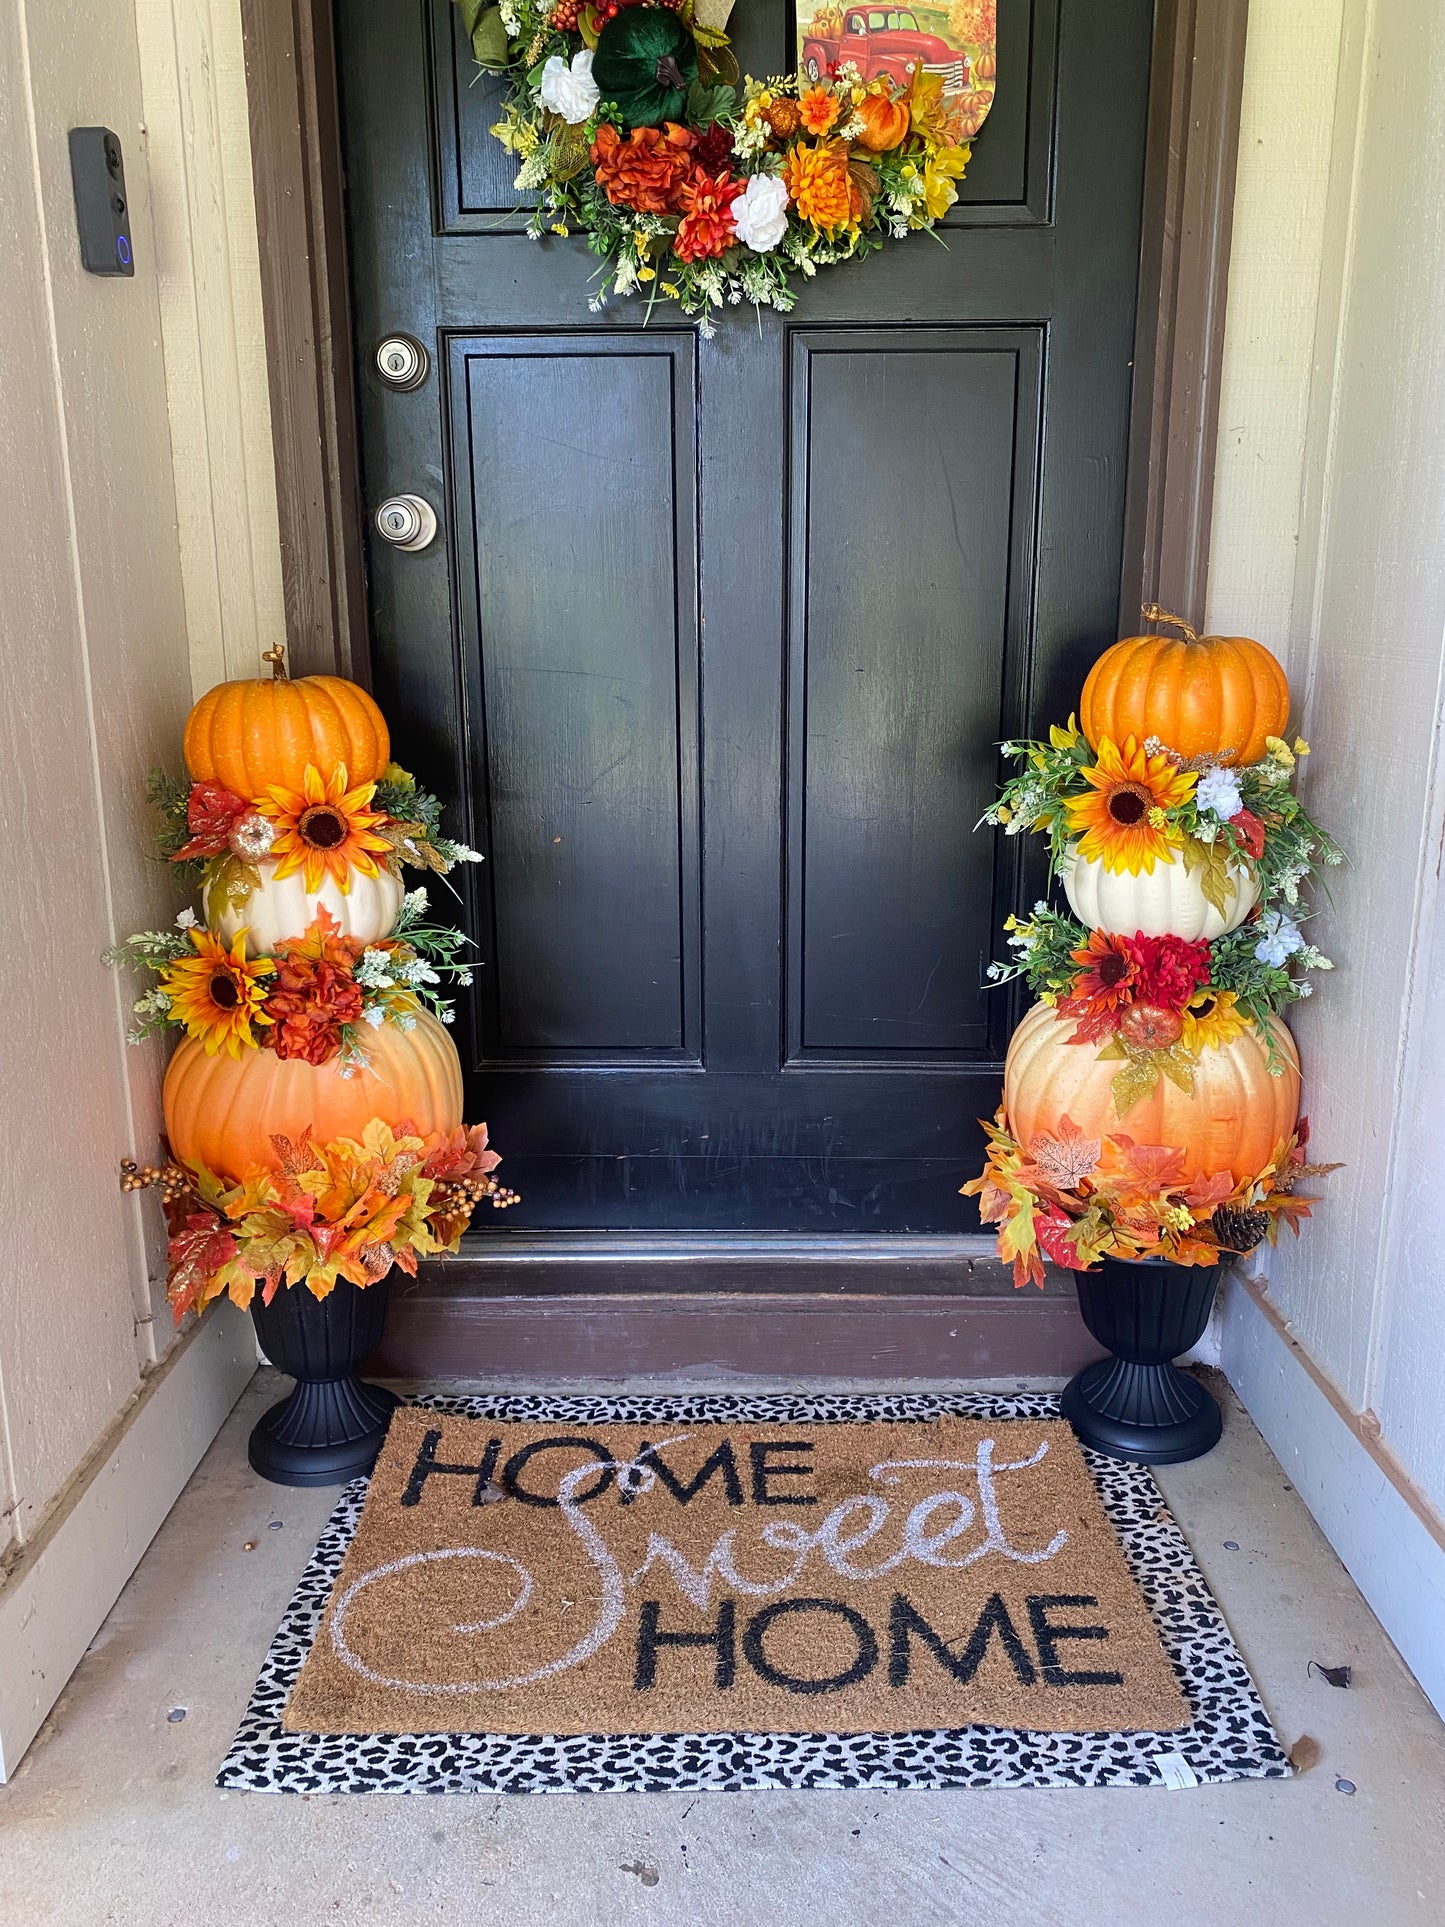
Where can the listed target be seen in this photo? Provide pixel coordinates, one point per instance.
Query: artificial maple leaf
(1143, 1171)
(1066, 1158)
(1205, 1193)
(1052, 1228)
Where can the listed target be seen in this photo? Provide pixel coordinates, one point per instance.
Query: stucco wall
(1329, 544)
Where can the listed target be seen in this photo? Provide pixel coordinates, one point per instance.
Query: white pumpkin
(284, 907)
(1169, 901)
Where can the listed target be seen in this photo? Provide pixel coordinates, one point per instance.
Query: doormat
(733, 1592)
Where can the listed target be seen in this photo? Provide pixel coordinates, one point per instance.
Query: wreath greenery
(632, 125)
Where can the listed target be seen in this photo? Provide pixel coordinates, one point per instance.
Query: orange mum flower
(818, 110)
(818, 184)
(646, 171)
(324, 827)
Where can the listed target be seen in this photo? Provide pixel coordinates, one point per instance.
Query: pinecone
(784, 118)
(1239, 1230)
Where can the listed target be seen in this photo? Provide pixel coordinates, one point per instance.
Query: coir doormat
(745, 1592)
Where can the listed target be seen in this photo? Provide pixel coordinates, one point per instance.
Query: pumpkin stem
(277, 659)
(667, 73)
(1151, 612)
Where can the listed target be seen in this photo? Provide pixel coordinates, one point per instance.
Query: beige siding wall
(1330, 545)
(99, 580)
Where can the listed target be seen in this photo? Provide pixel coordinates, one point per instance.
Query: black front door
(720, 637)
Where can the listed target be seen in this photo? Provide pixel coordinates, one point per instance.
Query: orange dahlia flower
(818, 110)
(706, 227)
(818, 184)
(648, 170)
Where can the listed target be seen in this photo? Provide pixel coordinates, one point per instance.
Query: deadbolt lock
(402, 362)
(407, 522)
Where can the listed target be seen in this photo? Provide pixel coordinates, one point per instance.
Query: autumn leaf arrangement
(632, 126)
(1151, 1095)
(346, 1210)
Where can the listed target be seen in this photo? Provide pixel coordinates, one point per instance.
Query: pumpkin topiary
(1233, 1119)
(1215, 696)
(222, 1112)
(644, 64)
(247, 735)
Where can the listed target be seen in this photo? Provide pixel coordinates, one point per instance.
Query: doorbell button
(402, 362)
(407, 522)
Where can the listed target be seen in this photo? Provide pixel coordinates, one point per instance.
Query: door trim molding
(1196, 84)
(290, 50)
(1191, 156)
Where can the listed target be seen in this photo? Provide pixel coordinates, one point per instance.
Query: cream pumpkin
(223, 1111)
(1233, 1119)
(1168, 901)
(283, 907)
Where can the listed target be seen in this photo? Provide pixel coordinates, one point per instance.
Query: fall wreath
(632, 125)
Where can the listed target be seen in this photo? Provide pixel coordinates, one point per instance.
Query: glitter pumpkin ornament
(1218, 696)
(247, 735)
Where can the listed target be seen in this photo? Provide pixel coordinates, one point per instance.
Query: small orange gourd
(1231, 1121)
(1200, 695)
(885, 122)
(223, 1111)
(250, 734)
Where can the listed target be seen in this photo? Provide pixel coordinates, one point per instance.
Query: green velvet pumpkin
(644, 64)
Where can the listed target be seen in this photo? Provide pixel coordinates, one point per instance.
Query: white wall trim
(1389, 1537)
(65, 1582)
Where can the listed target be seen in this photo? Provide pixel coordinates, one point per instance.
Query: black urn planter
(331, 1427)
(1137, 1404)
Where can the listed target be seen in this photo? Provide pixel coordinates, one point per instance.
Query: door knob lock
(402, 361)
(407, 522)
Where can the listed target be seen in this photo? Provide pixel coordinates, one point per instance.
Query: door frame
(499, 1309)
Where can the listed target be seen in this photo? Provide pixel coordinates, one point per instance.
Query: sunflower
(1211, 1020)
(1122, 820)
(325, 827)
(217, 994)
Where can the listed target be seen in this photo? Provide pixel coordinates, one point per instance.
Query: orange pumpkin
(248, 735)
(222, 1111)
(885, 122)
(985, 67)
(1233, 1119)
(1200, 695)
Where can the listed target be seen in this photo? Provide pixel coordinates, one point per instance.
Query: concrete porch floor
(113, 1818)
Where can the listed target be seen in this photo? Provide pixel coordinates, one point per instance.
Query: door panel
(578, 613)
(714, 657)
(901, 631)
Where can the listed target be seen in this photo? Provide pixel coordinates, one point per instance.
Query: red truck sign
(881, 40)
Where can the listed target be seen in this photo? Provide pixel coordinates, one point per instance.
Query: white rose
(570, 91)
(760, 213)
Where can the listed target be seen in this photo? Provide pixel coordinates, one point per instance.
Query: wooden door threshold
(578, 1305)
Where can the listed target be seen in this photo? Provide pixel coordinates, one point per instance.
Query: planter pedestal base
(326, 1432)
(1137, 1404)
(331, 1427)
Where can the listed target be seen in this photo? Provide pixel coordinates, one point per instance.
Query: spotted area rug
(749, 1592)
